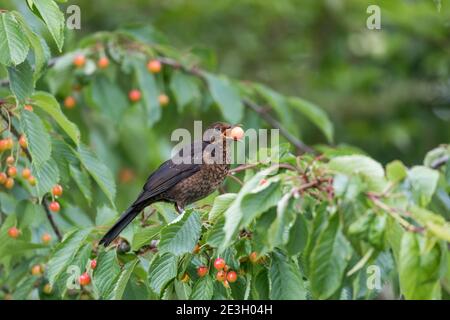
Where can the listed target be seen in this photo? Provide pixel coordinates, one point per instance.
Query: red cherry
(3, 178)
(93, 264)
(13, 232)
(54, 206)
(253, 257)
(134, 95)
(163, 100)
(231, 276)
(26, 173)
(202, 271)
(79, 60)
(23, 142)
(46, 238)
(9, 184)
(10, 160)
(85, 279)
(103, 63)
(57, 190)
(221, 275)
(70, 102)
(154, 66)
(12, 172)
(32, 180)
(219, 263)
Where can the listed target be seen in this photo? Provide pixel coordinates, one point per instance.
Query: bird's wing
(169, 174)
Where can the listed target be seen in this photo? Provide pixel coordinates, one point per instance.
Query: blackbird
(184, 179)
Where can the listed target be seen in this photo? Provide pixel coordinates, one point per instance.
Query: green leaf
(216, 234)
(83, 182)
(184, 88)
(21, 81)
(49, 12)
(203, 289)
(181, 235)
(108, 97)
(396, 171)
(41, 54)
(368, 168)
(298, 236)
(261, 199)
(64, 253)
(329, 259)
(315, 115)
(99, 171)
(150, 93)
(47, 175)
(234, 214)
(221, 203)
(423, 182)
(122, 280)
(13, 44)
(261, 285)
(419, 268)
(286, 281)
(48, 103)
(162, 270)
(38, 139)
(144, 236)
(24, 289)
(279, 229)
(106, 273)
(226, 97)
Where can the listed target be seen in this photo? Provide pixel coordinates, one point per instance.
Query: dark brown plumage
(183, 183)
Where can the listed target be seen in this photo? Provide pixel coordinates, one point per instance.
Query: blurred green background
(387, 91)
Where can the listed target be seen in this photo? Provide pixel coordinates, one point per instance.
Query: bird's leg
(179, 208)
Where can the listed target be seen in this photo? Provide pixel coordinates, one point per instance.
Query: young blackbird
(184, 179)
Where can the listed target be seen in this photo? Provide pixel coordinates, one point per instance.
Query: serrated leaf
(64, 253)
(122, 280)
(261, 285)
(396, 171)
(286, 281)
(181, 235)
(298, 236)
(83, 182)
(108, 97)
(50, 105)
(329, 259)
(54, 19)
(40, 49)
(150, 93)
(47, 175)
(203, 289)
(220, 204)
(423, 182)
(38, 139)
(106, 273)
(258, 201)
(99, 171)
(184, 88)
(233, 215)
(216, 234)
(143, 237)
(226, 97)
(13, 44)
(315, 115)
(162, 270)
(21, 80)
(24, 289)
(370, 169)
(419, 270)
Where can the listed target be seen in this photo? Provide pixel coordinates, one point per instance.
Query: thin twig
(236, 179)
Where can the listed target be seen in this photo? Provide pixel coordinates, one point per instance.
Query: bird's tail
(123, 221)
